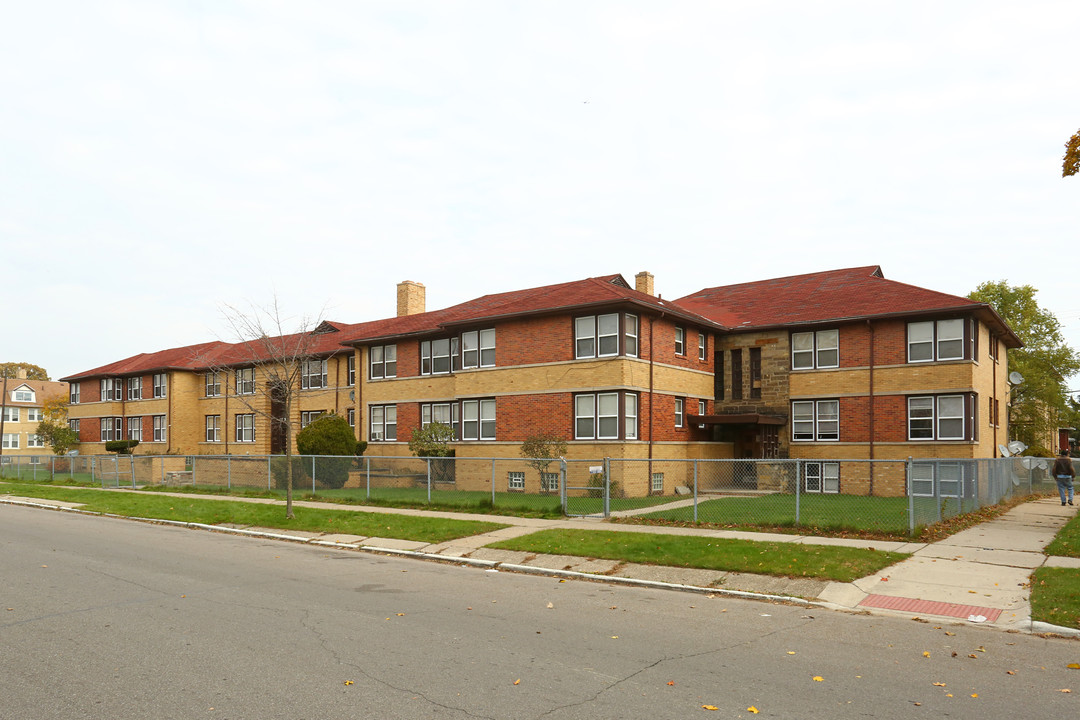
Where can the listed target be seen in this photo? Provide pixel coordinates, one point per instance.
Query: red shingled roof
(830, 296)
(578, 294)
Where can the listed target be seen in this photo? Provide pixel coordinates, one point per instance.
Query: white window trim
(936, 417)
(812, 412)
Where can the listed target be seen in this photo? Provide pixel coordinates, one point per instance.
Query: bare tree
(264, 346)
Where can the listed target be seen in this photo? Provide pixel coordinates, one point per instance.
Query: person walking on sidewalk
(1064, 474)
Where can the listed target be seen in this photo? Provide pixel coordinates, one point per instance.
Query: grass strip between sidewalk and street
(826, 562)
(1067, 541)
(1055, 596)
(217, 512)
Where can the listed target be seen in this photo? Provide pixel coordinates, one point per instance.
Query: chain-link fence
(890, 496)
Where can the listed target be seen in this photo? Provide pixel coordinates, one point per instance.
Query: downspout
(870, 328)
(337, 384)
(994, 394)
(226, 431)
(3, 409)
(652, 396)
(168, 415)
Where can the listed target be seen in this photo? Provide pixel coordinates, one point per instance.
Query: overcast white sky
(160, 159)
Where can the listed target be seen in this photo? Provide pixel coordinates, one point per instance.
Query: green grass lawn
(214, 512)
(767, 558)
(1055, 596)
(824, 513)
(1067, 541)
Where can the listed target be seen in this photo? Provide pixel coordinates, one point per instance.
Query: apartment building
(830, 365)
(21, 411)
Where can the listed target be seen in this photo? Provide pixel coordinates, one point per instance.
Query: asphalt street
(110, 618)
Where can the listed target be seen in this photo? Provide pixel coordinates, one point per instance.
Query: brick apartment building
(20, 413)
(829, 365)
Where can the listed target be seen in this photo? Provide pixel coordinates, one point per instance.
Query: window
(213, 384)
(34, 415)
(819, 349)
(946, 478)
(936, 340)
(941, 417)
(351, 370)
(383, 362)
(213, 428)
(598, 335)
(656, 482)
(309, 416)
(159, 428)
(992, 350)
(74, 425)
(478, 419)
(596, 416)
(815, 420)
(21, 395)
(445, 413)
(312, 374)
(478, 348)
(112, 428)
(549, 482)
(245, 427)
(134, 428)
(736, 374)
(515, 480)
(11, 441)
(435, 356)
(134, 388)
(245, 381)
(350, 417)
(821, 477)
(33, 441)
(159, 385)
(755, 372)
(11, 414)
(718, 376)
(383, 425)
(702, 347)
(73, 393)
(630, 335)
(680, 406)
(700, 411)
(680, 341)
(111, 389)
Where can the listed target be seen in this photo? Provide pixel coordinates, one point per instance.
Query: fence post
(937, 489)
(607, 487)
(695, 490)
(910, 497)
(268, 486)
(367, 474)
(429, 481)
(798, 490)
(492, 482)
(228, 472)
(562, 481)
(312, 474)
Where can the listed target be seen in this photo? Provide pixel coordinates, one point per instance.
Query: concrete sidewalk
(978, 575)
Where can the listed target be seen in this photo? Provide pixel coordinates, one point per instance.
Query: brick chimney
(410, 298)
(643, 282)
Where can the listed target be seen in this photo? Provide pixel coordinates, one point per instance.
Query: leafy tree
(53, 428)
(1071, 164)
(329, 435)
(432, 440)
(1045, 361)
(33, 372)
(541, 450)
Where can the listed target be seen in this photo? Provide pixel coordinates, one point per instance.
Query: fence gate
(586, 489)
(112, 470)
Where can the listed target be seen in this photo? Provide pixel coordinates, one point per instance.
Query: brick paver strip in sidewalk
(931, 607)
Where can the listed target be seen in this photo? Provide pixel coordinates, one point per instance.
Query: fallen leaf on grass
(974, 695)
(709, 707)
(348, 682)
(926, 653)
(972, 655)
(981, 649)
(670, 682)
(1071, 666)
(752, 710)
(939, 684)
(550, 606)
(518, 681)
(401, 614)
(949, 633)
(1066, 690)
(1010, 672)
(818, 678)
(614, 637)
(790, 652)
